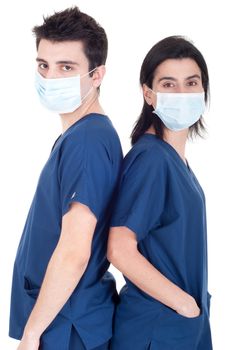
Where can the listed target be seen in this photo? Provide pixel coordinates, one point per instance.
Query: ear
(98, 76)
(148, 95)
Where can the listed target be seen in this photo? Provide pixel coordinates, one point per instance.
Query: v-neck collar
(172, 149)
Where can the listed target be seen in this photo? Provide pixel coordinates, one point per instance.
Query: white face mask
(60, 95)
(179, 111)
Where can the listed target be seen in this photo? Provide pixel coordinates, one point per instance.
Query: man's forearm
(63, 273)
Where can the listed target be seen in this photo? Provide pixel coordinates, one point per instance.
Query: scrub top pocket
(32, 291)
(174, 331)
(209, 296)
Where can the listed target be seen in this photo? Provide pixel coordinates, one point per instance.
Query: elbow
(110, 253)
(121, 248)
(114, 255)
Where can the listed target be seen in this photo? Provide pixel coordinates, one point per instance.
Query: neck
(177, 139)
(92, 105)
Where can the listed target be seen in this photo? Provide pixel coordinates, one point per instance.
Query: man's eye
(43, 66)
(168, 85)
(67, 68)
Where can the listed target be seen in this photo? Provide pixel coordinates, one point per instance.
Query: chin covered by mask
(60, 95)
(179, 111)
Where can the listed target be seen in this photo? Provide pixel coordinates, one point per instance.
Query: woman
(158, 238)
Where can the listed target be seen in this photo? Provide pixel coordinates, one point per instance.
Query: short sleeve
(141, 195)
(84, 173)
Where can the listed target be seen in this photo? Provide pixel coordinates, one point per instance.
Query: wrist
(31, 334)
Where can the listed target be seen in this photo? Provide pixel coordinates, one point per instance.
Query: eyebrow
(38, 59)
(167, 78)
(174, 79)
(193, 76)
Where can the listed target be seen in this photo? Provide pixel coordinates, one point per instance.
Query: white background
(28, 131)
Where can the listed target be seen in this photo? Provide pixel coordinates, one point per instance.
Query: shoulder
(93, 130)
(147, 154)
(93, 138)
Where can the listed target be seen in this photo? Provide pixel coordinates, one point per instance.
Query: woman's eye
(43, 66)
(67, 68)
(192, 83)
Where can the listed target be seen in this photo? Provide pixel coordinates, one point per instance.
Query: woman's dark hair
(74, 25)
(175, 47)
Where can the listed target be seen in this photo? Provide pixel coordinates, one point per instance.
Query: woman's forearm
(124, 255)
(146, 277)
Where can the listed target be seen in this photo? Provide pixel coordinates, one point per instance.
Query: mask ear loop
(84, 75)
(88, 93)
(155, 93)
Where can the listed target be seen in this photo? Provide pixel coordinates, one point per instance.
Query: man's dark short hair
(74, 25)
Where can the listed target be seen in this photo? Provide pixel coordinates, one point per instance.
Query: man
(62, 295)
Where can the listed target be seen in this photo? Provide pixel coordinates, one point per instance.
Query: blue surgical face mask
(60, 95)
(179, 111)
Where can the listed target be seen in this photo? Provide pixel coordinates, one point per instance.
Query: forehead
(177, 68)
(62, 51)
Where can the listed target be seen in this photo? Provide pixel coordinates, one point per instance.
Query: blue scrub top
(83, 166)
(162, 202)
